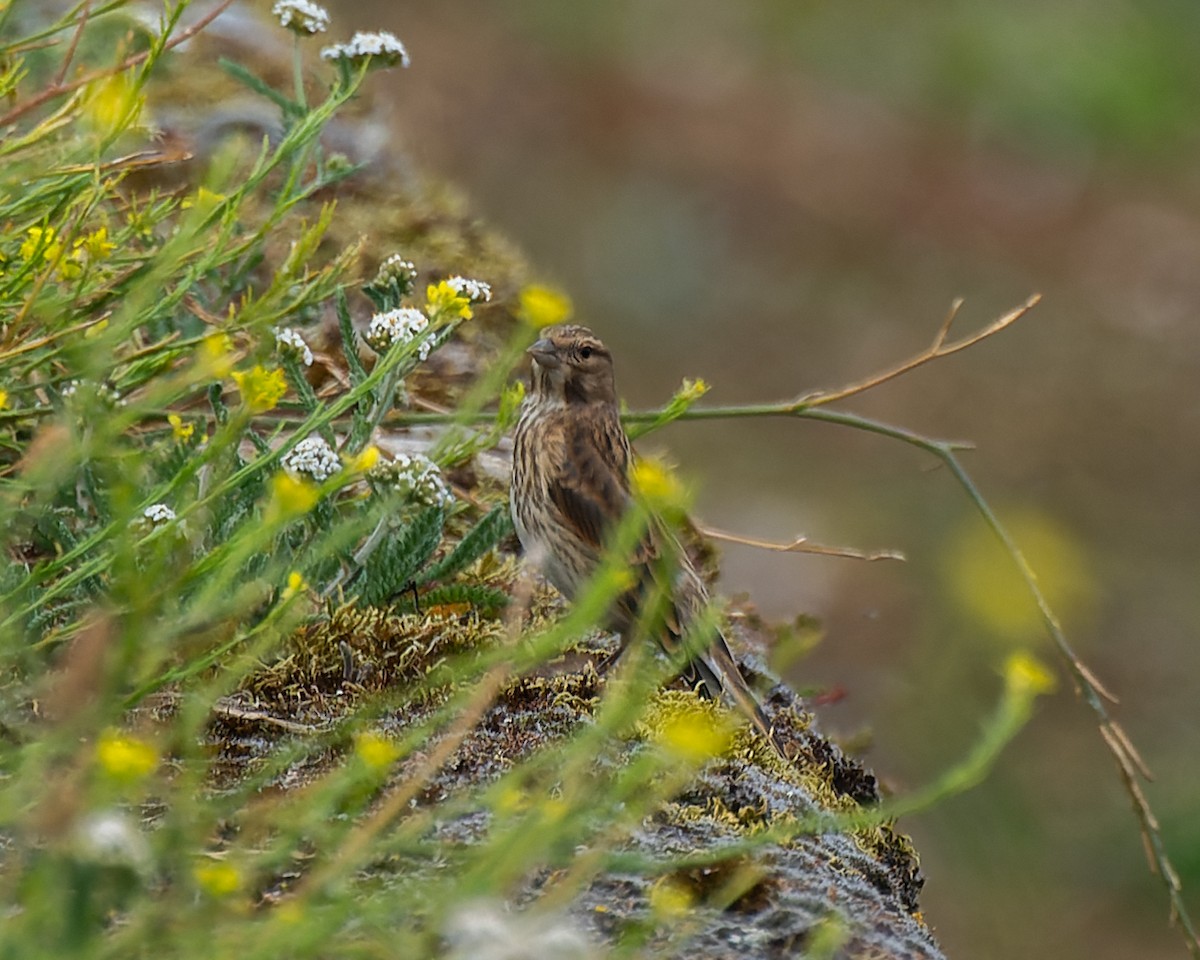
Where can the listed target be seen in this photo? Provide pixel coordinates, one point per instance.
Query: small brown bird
(570, 490)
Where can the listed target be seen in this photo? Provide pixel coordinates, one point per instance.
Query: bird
(571, 490)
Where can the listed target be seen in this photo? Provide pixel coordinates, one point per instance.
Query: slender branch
(935, 351)
(70, 54)
(800, 545)
(29, 345)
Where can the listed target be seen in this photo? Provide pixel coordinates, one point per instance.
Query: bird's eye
(585, 353)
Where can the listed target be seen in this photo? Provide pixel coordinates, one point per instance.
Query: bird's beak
(544, 354)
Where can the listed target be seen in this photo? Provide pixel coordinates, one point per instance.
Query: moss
(368, 649)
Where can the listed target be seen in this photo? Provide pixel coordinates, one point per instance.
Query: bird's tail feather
(719, 671)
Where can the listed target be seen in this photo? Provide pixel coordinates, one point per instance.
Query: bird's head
(571, 365)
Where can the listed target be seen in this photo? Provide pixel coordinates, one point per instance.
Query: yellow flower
(616, 580)
(694, 733)
(511, 799)
(291, 496)
(96, 245)
(44, 239)
(553, 810)
(653, 481)
(261, 389)
(125, 758)
(375, 751)
(544, 307)
(290, 913)
(95, 330)
(364, 461)
(179, 430)
(70, 267)
(1025, 675)
(218, 880)
(442, 301)
(3, 399)
(217, 355)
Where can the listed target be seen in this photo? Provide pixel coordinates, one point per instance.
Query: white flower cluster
(474, 290)
(312, 456)
(415, 475)
(110, 837)
(384, 46)
(301, 16)
(395, 262)
(397, 271)
(289, 341)
(158, 513)
(403, 325)
(98, 391)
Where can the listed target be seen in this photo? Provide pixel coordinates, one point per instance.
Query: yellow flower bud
(1026, 675)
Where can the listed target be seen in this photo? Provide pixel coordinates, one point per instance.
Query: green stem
(298, 73)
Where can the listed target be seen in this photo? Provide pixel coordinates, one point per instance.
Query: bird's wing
(591, 489)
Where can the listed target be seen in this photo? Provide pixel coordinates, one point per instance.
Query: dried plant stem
(935, 351)
(70, 54)
(800, 545)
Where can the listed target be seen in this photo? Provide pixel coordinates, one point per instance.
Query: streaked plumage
(570, 490)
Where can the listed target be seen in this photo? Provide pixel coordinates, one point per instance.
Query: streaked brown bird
(570, 491)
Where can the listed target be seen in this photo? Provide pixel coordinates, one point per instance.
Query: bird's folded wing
(590, 488)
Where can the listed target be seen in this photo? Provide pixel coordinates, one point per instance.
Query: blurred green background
(779, 197)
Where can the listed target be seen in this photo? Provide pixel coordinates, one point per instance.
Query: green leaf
(290, 108)
(483, 598)
(304, 391)
(396, 562)
(479, 540)
(357, 371)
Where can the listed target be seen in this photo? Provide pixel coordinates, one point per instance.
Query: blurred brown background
(779, 197)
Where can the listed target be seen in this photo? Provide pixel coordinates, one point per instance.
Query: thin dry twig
(140, 159)
(231, 711)
(70, 54)
(800, 545)
(935, 351)
(49, 338)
